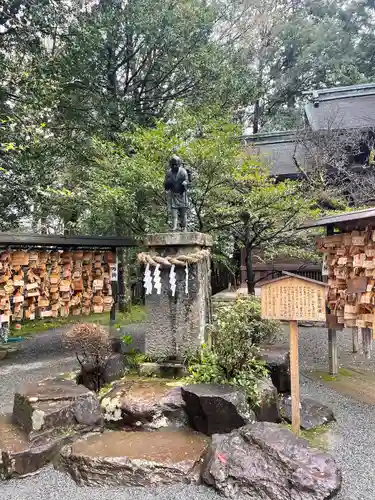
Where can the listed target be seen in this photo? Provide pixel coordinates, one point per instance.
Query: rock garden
(224, 425)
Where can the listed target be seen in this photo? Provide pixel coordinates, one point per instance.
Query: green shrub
(133, 356)
(233, 355)
(210, 370)
(242, 320)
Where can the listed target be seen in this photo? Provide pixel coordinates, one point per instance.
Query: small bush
(209, 369)
(233, 358)
(242, 320)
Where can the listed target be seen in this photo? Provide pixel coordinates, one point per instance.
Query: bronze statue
(176, 185)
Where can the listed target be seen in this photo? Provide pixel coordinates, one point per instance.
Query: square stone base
(176, 324)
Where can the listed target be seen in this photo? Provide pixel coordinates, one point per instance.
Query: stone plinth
(176, 325)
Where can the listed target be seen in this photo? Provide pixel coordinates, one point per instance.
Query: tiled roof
(277, 150)
(351, 107)
(341, 220)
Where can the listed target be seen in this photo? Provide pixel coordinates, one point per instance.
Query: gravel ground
(39, 357)
(352, 440)
(52, 485)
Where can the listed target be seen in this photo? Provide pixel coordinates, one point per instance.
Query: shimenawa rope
(177, 260)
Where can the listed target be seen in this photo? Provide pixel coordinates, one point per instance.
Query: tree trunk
(257, 106)
(124, 292)
(121, 280)
(124, 280)
(249, 271)
(256, 116)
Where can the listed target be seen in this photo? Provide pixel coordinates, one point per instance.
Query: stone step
(19, 457)
(135, 458)
(54, 405)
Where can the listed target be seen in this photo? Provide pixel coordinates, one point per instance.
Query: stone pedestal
(176, 325)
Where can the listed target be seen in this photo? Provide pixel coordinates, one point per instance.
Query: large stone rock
(52, 405)
(151, 404)
(267, 462)
(172, 409)
(276, 358)
(268, 408)
(19, 457)
(135, 458)
(313, 414)
(215, 408)
(32, 458)
(113, 369)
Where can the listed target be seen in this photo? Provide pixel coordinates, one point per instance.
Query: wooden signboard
(294, 298)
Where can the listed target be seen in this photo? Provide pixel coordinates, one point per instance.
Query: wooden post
(112, 315)
(286, 298)
(360, 341)
(370, 339)
(294, 375)
(355, 336)
(366, 332)
(332, 339)
(332, 352)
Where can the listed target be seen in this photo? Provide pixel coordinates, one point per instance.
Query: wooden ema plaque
(294, 298)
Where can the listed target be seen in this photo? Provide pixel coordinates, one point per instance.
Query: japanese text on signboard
(293, 300)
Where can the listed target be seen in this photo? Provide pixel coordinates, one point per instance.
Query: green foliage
(136, 314)
(127, 339)
(127, 191)
(233, 358)
(298, 46)
(239, 326)
(73, 71)
(206, 369)
(94, 99)
(133, 356)
(211, 369)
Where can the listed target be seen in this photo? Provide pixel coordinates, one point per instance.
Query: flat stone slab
(151, 404)
(164, 370)
(19, 457)
(266, 461)
(216, 408)
(55, 404)
(137, 458)
(313, 414)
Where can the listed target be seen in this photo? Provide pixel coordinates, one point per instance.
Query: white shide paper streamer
(172, 280)
(157, 281)
(148, 280)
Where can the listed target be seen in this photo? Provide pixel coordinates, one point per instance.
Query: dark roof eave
(59, 241)
(341, 219)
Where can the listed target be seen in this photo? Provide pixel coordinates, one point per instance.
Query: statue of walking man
(176, 185)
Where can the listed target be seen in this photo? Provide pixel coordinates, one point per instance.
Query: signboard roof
(287, 275)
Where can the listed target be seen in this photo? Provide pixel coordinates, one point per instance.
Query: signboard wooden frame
(294, 298)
